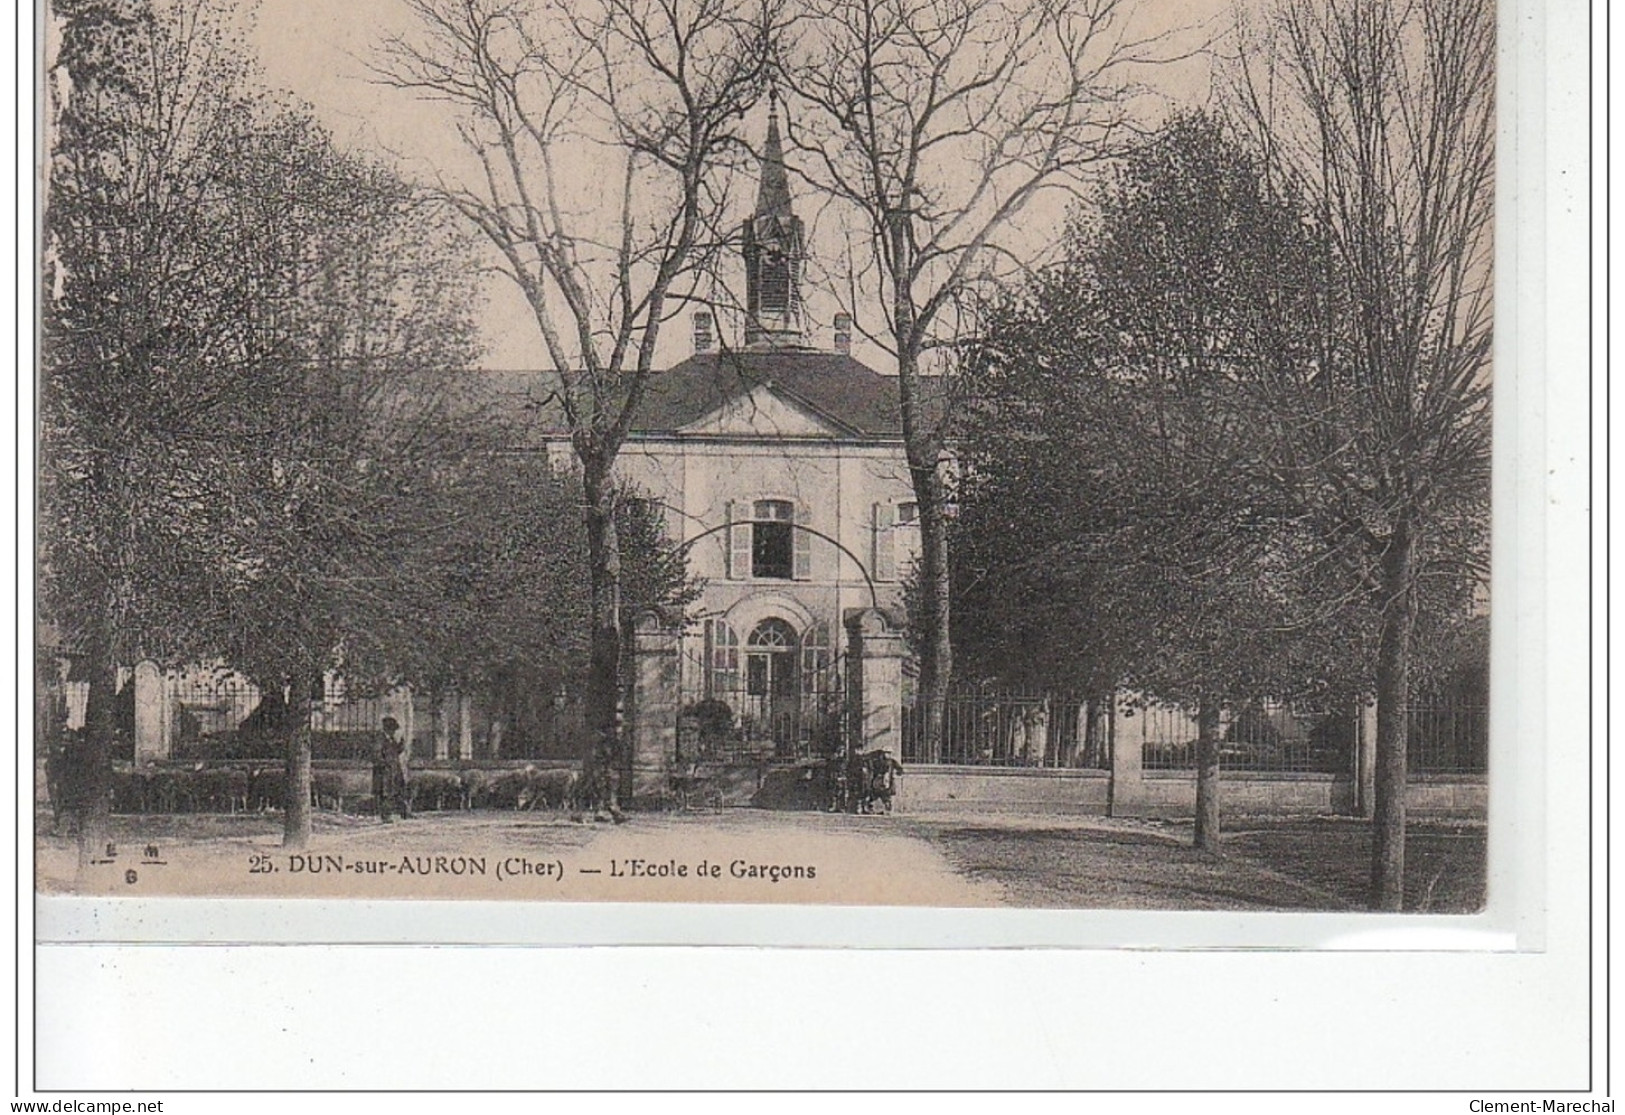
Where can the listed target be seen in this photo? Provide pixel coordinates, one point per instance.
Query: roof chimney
(843, 334)
(705, 338)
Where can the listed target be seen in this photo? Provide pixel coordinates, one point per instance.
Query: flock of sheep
(258, 788)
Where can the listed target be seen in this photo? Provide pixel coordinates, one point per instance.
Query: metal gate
(770, 696)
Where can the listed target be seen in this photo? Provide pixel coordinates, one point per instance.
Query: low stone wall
(1173, 793)
(1431, 795)
(1442, 795)
(928, 789)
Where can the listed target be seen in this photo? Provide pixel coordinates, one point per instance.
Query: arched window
(770, 660)
(773, 634)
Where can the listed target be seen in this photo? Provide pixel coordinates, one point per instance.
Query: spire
(774, 249)
(773, 194)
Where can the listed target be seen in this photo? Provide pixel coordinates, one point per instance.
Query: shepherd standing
(390, 772)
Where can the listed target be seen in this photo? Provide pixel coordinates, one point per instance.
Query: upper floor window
(767, 540)
(772, 540)
(895, 539)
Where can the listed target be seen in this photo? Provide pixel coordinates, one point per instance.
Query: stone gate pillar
(152, 715)
(874, 656)
(465, 727)
(656, 694)
(1365, 759)
(442, 724)
(1127, 790)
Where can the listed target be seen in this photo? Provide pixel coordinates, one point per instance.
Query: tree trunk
(296, 794)
(602, 767)
(1207, 776)
(1393, 721)
(923, 446)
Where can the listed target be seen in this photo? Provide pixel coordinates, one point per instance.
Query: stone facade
(778, 466)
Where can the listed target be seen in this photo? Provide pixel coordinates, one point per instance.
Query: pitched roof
(847, 394)
(844, 392)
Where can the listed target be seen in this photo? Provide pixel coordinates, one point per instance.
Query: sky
(318, 51)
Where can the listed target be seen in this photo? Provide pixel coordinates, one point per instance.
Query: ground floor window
(769, 687)
(721, 658)
(815, 660)
(770, 661)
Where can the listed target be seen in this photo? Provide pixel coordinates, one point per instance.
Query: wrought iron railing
(983, 727)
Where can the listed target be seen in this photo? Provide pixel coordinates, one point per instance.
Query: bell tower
(774, 250)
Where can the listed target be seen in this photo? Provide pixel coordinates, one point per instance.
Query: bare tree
(599, 136)
(1380, 115)
(938, 122)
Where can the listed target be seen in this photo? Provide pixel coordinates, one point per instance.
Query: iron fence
(225, 716)
(1449, 738)
(1013, 729)
(1263, 737)
(208, 707)
(1277, 737)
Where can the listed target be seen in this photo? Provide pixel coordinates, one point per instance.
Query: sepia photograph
(1007, 454)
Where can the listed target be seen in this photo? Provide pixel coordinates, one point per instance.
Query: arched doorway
(773, 682)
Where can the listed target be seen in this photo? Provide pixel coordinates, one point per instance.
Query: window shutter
(708, 679)
(738, 544)
(885, 552)
(801, 544)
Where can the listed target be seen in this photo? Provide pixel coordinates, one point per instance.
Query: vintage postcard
(1030, 455)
